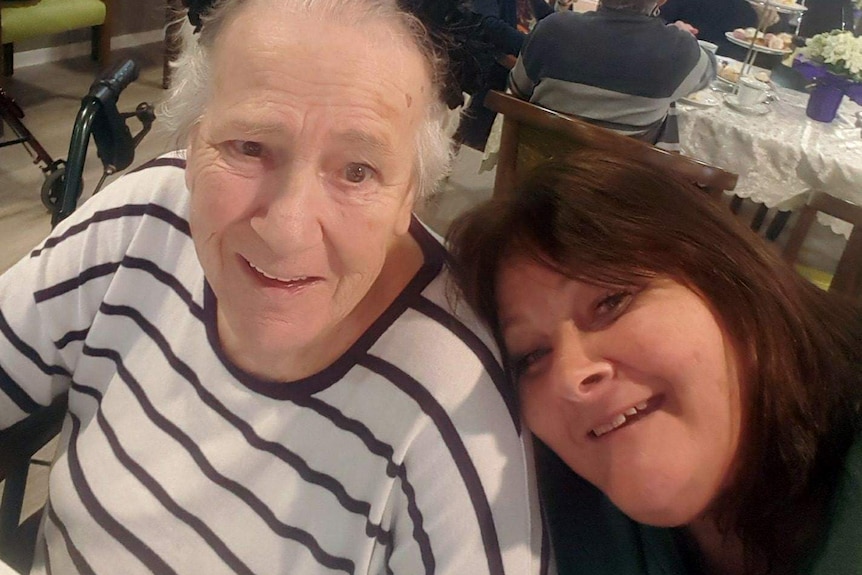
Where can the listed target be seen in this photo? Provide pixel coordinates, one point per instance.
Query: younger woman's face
(635, 388)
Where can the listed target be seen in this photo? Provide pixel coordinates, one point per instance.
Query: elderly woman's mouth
(287, 281)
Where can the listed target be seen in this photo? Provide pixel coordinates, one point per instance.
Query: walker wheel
(52, 187)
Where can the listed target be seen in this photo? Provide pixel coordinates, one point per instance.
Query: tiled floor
(50, 96)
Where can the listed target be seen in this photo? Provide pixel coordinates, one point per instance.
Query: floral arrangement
(839, 51)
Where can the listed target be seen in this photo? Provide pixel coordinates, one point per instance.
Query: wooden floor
(50, 96)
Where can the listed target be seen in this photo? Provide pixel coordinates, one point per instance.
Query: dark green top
(592, 537)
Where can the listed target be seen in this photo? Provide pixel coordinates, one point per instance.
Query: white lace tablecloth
(781, 155)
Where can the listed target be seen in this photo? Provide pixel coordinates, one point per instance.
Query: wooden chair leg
(102, 36)
(777, 225)
(100, 49)
(95, 40)
(8, 55)
(759, 217)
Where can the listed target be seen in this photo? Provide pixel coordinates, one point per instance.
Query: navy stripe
(81, 564)
(74, 283)
(353, 426)
(128, 262)
(69, 337)
(160, 162)
(148, 481)
(419, 534)
(479, 349)
(546, 545)
(129, 210)
(167, 279)
(377, 447)
(276, 449)
(457, 449)
(17, 394)
(27, 351)
(101, 515)
(241, 492)
(46, 555)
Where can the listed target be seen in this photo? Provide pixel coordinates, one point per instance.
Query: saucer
(755, 110)
(702, 99)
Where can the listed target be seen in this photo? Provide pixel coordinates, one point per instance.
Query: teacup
(751, 91)
(708, 46)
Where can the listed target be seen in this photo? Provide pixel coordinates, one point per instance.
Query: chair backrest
(18, 444)
(847, 279)
(24, 19)
(532, 133)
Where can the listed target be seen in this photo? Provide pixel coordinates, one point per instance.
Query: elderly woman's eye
(357, 173)
(251, 149)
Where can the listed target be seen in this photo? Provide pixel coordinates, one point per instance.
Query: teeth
(272, 277)
(619, 419)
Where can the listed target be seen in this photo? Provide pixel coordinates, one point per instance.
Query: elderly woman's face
(635, 388)
(302, 179)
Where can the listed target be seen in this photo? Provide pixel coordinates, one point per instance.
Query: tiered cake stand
(753, 48)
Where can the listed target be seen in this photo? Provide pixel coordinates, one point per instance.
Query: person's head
(633, 6)
(662, 350)
(312, 126)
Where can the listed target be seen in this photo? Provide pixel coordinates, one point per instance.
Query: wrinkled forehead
(381, 22)
(376, 47)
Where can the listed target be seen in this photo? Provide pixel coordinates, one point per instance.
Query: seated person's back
(619, 68)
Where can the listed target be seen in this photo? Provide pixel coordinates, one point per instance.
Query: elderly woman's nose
(579, 370)
(290, 210)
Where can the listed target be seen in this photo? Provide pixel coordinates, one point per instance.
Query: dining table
(779, 153)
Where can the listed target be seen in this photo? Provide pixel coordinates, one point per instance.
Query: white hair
(191, 83)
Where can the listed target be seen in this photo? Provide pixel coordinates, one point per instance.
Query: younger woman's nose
(579, 369)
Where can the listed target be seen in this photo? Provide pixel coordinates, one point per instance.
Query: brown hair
(608, 219)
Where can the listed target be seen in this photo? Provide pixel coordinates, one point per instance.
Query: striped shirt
(403, 456)
(618, 70)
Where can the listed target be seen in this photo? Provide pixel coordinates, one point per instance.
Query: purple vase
(823, 102)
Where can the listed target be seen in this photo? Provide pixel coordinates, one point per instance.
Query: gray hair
(191, 80)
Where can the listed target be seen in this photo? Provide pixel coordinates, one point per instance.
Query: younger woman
(673, 361)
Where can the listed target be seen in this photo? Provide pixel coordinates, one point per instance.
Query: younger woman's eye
(610, 306)
(521, 363)
(357, 173)
(614, 301)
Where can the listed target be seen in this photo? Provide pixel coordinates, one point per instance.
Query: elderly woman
(619, 67)
(263, 370)
(711, 396)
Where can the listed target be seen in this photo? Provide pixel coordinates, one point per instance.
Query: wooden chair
(532, 134)
(25, 19)
(847, 279)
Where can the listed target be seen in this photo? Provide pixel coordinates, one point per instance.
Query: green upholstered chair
(25, 19)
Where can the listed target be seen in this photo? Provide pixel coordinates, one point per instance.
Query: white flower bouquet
(839, 51)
